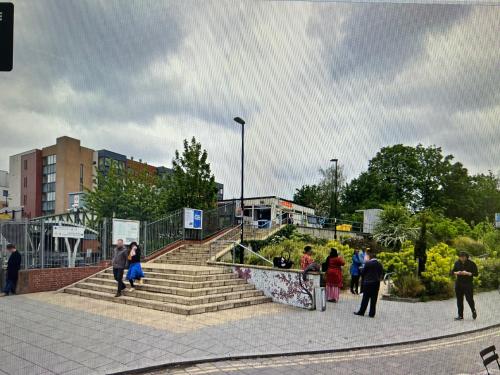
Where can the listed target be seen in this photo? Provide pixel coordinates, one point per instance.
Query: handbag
(282, 262)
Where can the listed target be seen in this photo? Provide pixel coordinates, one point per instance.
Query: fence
(40, 249)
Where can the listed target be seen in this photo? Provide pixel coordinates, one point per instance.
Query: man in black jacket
(13, 267)
(372, 274)
(465, 270)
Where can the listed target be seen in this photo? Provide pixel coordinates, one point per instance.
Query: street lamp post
(335, 198)
(240, 121)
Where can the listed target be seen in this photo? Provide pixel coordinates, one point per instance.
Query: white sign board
(193, 219)
(127, 230)
(68, 232)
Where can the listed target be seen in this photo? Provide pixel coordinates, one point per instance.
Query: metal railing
(39, 248)
(232, 248)
(214, 220)
(163, 232)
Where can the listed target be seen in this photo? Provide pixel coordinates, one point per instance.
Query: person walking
(13, 267)
(465, 270)
(307, 258)
(119, 262)
(357, 262)
(134, 265)
(334, 265)
(372, 273)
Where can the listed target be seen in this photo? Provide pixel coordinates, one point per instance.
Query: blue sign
(497, 220)
(193, 219)
(197, 219)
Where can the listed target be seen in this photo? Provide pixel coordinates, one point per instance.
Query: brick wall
(47, 279)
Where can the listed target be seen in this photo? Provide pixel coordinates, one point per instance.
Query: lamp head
(239, 120)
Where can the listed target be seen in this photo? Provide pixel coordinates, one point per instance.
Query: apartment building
(4, 188)
(46, 181)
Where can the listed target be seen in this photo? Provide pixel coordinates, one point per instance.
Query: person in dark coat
(465, 270)
(372, 274)
(13, 267)
(119, 263)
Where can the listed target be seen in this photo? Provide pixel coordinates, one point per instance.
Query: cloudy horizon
(313, 80)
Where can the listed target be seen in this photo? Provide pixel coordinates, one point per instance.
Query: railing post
(104, 239)
(42, 244)
(145, 235)
(26, 228)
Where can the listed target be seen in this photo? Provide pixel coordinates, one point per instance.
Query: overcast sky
(313, 80)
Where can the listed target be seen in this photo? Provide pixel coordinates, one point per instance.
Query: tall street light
(240, 121)
(335, 198)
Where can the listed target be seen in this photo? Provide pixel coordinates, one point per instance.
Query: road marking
(289, 362)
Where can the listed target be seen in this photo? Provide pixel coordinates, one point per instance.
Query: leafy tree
(191, 184)
(107, 198)
(319, 196)
(395, 227)
(309, 196)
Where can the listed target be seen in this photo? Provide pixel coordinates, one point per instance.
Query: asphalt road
(458, 355)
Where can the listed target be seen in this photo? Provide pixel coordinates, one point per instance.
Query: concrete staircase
(179, 282)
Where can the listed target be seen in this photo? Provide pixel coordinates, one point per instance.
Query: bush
(469, 245)
(436, 277)
(489, 273)
(492, 243)
(409, 286)
(402, 262)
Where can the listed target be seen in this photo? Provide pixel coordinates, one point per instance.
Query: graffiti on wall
(282, 286)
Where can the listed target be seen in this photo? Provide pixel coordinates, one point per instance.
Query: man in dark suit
(465, 270)
(13, 267)
(372, 274)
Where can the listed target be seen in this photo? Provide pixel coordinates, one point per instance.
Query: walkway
(57, 333)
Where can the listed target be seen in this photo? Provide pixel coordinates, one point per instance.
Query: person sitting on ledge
(307, 258)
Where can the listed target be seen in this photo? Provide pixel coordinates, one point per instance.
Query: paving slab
(64, 334)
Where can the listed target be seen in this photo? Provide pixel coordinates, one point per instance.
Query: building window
(24, 200)
(81, 177)
(49, 185)
(25, 182)
(25, 164)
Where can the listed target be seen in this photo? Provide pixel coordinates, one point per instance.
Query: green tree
(319, 196)
(191, 184)
(106, 200)
(395, 227)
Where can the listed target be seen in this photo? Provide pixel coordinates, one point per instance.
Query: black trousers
(370, 294)
(354, 283)
(466, 291)
(118, 274)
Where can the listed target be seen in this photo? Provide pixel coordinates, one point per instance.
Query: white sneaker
(141, 281)
(131, 290)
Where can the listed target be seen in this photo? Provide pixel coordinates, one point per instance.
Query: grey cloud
(381, 39)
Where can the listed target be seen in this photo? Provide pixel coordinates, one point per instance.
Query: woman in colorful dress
(334, 275)
(307, 258)
(134, 268)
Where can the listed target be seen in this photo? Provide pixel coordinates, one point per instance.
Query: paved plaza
(57, 333)
(454, 356)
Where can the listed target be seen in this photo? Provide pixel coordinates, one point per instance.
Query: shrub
(492, 243)
(408, 286)
(489, 273)
(436, 277)
(469, 245)
(402, 262)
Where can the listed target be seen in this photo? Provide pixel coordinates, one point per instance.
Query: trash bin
(320, 298)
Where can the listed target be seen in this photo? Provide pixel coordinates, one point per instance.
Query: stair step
(178, 269)
(173, 299)
(176, 291)
(176, 309)
(184, 281)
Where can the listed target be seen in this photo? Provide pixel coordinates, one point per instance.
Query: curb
(192, 362)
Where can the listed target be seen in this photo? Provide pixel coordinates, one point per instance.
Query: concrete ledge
(388, 297)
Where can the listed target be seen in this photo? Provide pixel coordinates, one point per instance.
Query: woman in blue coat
(357, 263)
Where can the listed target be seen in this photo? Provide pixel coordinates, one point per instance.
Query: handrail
(176, 212)
(254, 253)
